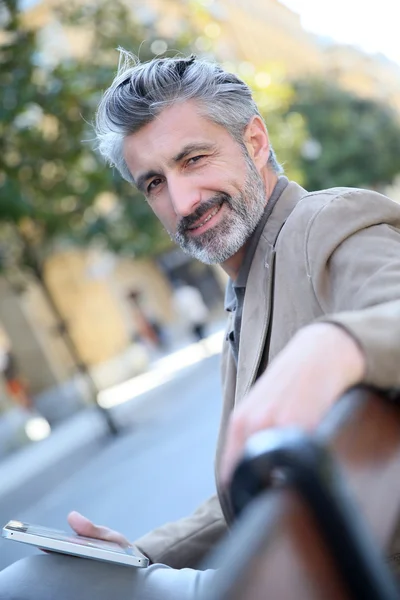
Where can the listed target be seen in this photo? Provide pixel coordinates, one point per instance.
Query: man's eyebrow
(189, 148)
(141, 180)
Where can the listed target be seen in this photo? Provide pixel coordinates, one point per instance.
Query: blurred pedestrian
(190, 308)
(15, 385)
(148, 327)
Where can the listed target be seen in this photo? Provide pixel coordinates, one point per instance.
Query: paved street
(160, 468)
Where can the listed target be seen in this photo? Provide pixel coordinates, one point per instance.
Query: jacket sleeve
(186, 542)
(353, 260)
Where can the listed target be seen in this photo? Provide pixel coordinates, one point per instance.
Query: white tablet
(76, 545)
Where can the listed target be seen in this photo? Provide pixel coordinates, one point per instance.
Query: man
(314, 290)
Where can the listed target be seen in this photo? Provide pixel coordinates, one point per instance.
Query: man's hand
(317, 366)
(82, 526)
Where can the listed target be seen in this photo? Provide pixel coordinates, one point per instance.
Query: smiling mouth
(208, 218)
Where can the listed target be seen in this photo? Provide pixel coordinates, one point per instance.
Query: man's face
(198, 180)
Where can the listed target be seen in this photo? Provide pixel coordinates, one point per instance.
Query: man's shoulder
(319, 199)
(338, 204)
(322, 220)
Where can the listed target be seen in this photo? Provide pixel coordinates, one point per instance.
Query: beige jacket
(337, 259)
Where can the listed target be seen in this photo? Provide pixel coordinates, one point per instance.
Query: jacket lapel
(259, 292)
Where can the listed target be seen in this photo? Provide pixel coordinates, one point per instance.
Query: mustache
(213, 202)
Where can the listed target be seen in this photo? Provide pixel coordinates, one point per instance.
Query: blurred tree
(53, 186)
(52, 183)
(352, 141)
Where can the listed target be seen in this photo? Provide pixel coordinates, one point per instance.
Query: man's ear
(257, 141)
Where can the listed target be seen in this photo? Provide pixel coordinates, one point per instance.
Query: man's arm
(186, 542)
(364, 276)
(352, 253)
(297, 389)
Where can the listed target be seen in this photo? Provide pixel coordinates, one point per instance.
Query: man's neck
(232, 265)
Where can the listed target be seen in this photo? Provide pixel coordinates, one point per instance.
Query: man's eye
(195, 159)
(153, 184)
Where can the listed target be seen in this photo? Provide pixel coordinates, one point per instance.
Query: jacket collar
(259, 291)
(288, 200)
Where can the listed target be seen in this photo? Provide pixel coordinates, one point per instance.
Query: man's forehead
(167, 124)
(154, 143)
(166, 151)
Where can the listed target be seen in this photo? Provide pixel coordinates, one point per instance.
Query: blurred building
(266, 33)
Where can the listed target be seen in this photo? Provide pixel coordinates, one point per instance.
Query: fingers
(82, 526)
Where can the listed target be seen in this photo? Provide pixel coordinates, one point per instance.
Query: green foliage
(353, 141)
(54, 187)
(51, 180)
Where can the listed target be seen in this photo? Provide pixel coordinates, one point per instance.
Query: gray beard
(222, 241)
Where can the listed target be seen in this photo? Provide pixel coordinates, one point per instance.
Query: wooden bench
(278, 549)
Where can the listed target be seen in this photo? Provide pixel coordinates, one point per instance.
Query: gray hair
(140, 91)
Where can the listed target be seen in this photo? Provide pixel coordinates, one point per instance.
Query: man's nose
(184, 196)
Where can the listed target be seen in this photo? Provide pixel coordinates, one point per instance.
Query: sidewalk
(88, 426)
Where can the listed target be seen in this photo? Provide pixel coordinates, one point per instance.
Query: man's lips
(205, 218)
